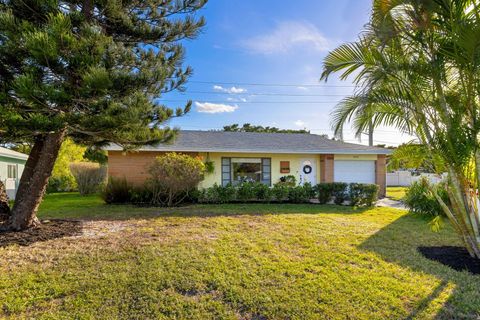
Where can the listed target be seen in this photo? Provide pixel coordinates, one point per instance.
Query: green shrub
(61, 184)
(362, 194)
(280, 192)
(117, 191)
(419, 198)
(310, 190)
(90, 176)
(298, 194)
(173, 176)
(246, 191)
(140, 195)
(263, 192)
(339, 192)
(324, 192)
(218, 194)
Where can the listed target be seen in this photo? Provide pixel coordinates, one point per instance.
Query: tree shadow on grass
(399, 243)
(255, 209)
(123, 212)
(48, 230)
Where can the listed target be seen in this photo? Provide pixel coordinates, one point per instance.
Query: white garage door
(361, 171)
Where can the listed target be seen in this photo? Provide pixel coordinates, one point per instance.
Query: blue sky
(248, 42)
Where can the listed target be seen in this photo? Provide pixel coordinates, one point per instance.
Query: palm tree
(417, 67)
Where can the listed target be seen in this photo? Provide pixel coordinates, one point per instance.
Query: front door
(308, 171)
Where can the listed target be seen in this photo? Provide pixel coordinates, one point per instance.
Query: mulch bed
(456, 258)
(47, 230)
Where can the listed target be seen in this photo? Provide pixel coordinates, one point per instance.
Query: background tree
(417, 67)
(61, 178)
(90, 70)
(415, 156)
(247, 127)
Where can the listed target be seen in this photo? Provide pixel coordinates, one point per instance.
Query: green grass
(231, 262)
(396, 193)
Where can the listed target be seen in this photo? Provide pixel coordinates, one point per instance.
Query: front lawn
(396, 193)
(230, 262)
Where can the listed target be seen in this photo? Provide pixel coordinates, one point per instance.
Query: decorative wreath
(307, 169)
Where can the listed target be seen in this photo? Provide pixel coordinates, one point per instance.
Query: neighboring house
(263, 157)
(11, 169)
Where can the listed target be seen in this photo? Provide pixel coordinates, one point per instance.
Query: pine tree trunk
(34, 181)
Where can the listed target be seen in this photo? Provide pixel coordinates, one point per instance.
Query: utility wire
(267, 94)
(316, 129)
(274, 84)
(256, 102)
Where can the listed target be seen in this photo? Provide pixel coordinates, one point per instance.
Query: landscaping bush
(246, 191)
(61, 184)
(173, 176)
(89, 176)
(140, 195)
(324, 192)
(298, 194)
(280, 192)
(217, 194)
(339, 192)
(311, 191)
(419, 198)
(117, 191)
(362, 194)
(263, 192)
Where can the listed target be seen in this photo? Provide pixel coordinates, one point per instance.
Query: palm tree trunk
(34, 181)
(463, 212)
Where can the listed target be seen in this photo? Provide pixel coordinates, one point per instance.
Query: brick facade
(381, 174)
(326, 167)
(134, 167)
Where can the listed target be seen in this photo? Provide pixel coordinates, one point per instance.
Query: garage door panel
(360, 171)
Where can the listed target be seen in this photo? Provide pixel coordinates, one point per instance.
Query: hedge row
(355, 194)
(258, 192)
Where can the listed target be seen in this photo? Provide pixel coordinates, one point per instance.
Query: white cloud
(237, 99)
(300, 123)
(208, 107)
(286, 36)
(231, 90)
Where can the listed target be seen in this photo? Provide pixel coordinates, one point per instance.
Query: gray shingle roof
(220, 141)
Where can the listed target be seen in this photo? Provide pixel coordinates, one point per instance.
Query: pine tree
(89, 70)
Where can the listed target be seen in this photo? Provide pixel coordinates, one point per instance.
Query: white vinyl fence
(405, 178)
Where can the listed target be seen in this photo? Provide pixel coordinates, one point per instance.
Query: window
(11, 171)
(246, 170)
(238, 170)
(284, 166)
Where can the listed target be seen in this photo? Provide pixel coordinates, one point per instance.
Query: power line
(316, 129)
(256, 102)
(275, 84)
(268, 94)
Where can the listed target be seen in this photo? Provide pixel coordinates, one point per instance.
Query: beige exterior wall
(134, 165)
(294, 159)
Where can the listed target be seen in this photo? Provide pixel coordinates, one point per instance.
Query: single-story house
(263, 157)
(12, 164)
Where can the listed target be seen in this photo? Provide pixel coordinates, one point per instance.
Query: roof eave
(328, 151)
